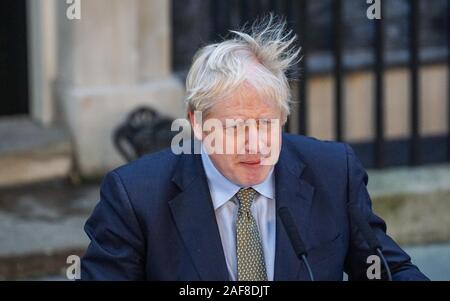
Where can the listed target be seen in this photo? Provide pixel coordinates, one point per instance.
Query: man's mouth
(252, 162)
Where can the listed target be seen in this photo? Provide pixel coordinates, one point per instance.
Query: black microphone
(294, 237)
(369, 236)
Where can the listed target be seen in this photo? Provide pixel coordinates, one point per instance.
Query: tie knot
(245, 197)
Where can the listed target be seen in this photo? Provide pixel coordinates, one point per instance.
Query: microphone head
(357, 217)
(292, 231)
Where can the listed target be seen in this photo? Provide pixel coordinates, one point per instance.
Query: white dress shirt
(226, 208)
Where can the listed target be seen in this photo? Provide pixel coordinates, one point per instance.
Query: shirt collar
(222, 189)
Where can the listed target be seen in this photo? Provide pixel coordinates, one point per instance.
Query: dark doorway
(13, 58)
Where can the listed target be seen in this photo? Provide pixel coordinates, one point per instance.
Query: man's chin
(252, 176)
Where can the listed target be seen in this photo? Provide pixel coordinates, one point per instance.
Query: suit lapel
(194, 216)
(296, 194)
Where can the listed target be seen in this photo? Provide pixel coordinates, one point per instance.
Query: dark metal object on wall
(144, 131)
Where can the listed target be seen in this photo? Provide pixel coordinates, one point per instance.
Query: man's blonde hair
(259, 56)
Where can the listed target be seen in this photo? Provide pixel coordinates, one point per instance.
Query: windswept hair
(260, 56)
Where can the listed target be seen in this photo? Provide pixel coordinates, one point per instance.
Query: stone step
(41, 225)
(414, 202)
(31, 153)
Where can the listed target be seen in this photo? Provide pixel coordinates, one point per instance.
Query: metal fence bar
(220, 18)
(290, 10)
(414, 19)
(245, 10)
(448, 78)
(302, 32)
(214, 13)
(379, 93)
(235, 14)
(338, 68)
(276, 6)
(273, 5)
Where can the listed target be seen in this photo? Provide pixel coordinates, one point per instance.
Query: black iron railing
(380, 152)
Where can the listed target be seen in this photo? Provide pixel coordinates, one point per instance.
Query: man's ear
(196, 123)
(283, 121)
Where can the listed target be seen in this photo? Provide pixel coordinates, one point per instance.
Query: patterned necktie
(250, 255)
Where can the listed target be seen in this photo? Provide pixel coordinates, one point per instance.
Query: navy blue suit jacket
(155, 219)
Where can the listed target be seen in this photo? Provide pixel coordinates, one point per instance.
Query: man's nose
(252, 139)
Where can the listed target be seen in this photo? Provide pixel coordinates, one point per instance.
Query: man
(213, 215)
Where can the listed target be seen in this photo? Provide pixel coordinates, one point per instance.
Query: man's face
(249, 132)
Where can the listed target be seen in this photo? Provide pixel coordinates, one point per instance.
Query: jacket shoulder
(155, 167)
(312, 148)
(320, 156)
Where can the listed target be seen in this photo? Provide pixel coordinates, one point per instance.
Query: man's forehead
(242, 116)
(245, 107)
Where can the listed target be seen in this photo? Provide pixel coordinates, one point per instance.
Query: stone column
(115, 58)
(42, 59)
